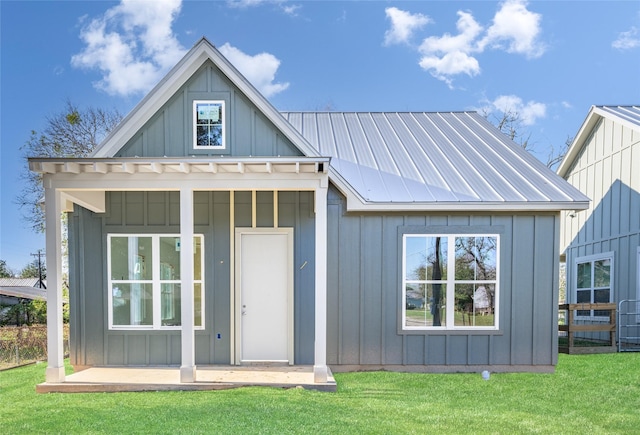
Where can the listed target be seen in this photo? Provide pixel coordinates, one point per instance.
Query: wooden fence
(575, 345)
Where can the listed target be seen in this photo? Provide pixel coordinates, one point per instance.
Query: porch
(132, 379)
(85, 182)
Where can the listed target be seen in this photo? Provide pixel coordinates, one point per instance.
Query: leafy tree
(5, 272)
(72, 132)
(33, 270)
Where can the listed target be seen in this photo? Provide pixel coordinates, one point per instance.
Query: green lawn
(587, 394)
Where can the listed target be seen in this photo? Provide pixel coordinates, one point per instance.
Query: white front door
(264, 295)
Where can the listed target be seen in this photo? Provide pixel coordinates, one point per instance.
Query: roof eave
(358, 206)
(595, 114)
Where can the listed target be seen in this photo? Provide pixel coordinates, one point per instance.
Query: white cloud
(449, 55)
(528, 112)
(454, 62)
(464, 41)
(291, 10)
(244, 3)
(516, 27)
(260, 69)
(627, 40)
(403, 24)
(132, 45)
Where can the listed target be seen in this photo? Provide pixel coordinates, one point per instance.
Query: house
(602, 244)
(14, 291)
(209, 228)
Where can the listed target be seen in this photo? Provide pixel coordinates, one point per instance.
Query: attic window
(208, 124)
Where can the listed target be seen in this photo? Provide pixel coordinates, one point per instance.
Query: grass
(587, 394)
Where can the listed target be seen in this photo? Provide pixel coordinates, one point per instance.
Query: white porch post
(320, 371)
(188, 366)
(55, 349)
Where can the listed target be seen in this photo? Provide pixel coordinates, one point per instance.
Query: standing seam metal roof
(420, 157)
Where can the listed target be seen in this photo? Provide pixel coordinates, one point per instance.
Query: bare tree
(71, 132)
(510, 123)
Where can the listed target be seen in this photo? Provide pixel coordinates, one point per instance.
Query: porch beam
(320, 371)
(55, 351)
(188, 365)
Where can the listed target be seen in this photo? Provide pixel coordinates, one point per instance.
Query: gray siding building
(209, 228)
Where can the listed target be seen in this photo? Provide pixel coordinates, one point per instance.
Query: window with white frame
(594, 283)
(208, 124)
(450, 281)
(144, 281)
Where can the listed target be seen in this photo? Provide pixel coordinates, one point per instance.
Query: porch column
(320, 372)
(188, 366)
(53, 243)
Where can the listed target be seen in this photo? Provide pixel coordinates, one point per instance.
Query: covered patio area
(132, 379)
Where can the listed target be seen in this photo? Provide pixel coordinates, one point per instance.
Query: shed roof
(628, 116)
(25, 288)
(453, 160)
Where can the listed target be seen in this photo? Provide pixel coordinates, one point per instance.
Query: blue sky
(547, 60)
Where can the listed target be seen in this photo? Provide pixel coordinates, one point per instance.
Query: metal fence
(21, 345)
(629, 325)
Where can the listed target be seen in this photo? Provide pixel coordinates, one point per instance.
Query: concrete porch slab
(129, 379)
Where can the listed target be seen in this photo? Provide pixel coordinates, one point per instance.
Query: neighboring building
(602, 243)
(311, 237)
(15, 291)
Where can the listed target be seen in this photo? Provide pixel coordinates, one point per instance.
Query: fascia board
(355, 203)
(617, 118)
(148, 106)
(176, 78)
(593, 117)
(574, 149)
(493, 207)
(260, 101)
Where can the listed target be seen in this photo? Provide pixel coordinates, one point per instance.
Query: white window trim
(590, 259)
(450, 284)
(195, 125)
(155, 282)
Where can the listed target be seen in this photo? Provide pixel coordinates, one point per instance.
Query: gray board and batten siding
(364, 293)
(455, 161)
(364, 285)
(92, 344)
(169, 133)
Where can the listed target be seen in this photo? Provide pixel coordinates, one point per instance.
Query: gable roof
(387, 161)
(201, 52)
(431, 161)
(629, 116)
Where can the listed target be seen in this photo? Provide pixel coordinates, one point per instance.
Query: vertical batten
(188, 366)
(55, 350)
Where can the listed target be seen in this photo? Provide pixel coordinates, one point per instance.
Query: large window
(450, 281)
(208, 124)
(594, 283)
(144, 281)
